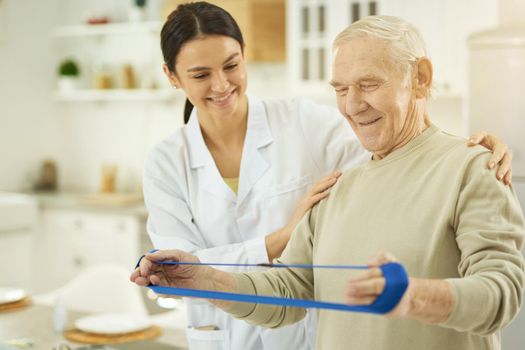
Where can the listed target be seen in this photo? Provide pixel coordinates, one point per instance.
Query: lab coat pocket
(199, 339)
(294, 185)
(281, 200)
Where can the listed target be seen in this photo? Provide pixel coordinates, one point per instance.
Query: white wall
(113, 132)
(30, 129)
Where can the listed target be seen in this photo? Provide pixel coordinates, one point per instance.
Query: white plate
(10, 295)
(112, 323)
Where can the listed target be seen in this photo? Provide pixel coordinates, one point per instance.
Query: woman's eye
(231, 66)
(200, 76)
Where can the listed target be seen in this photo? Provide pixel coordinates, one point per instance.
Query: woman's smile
(223, 100)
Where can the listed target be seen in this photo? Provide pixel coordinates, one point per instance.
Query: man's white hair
(405, 41)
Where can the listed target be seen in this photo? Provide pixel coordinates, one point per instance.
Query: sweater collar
(402, 152)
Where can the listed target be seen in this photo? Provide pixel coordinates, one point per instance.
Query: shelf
(117, 95)
(122, 28)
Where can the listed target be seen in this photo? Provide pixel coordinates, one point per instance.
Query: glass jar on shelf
(102, 77)
(128, 77)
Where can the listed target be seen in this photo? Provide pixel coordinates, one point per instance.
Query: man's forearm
(430, 301)
(222, 281)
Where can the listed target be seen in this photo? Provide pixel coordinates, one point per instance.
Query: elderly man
(424, 197)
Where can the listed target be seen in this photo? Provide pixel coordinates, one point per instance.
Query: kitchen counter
(123, 204)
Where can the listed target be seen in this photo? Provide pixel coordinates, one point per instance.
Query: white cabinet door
(15, 258)
(18, 216)
(75, 240)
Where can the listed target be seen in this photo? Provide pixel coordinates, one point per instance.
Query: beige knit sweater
(442, 213)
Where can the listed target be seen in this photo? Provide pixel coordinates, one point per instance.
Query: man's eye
(341, 92)
(369, 87)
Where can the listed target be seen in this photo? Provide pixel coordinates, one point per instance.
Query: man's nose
(354, 103)
(220, 82)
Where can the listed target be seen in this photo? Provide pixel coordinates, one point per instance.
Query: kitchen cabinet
(262, 22)
(71, 240)
(314, 24)
(125, 54)
(15, 250)
(18, 217)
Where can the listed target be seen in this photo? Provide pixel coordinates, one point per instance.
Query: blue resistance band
(394, 273)
(298, 266)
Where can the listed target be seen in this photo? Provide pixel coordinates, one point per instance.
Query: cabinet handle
(121, 226)
(78, 224)
(78, 261)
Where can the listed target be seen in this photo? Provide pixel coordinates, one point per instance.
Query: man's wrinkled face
(373, 93)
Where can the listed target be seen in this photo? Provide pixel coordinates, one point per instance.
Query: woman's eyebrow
(201, 68)
(232, 56)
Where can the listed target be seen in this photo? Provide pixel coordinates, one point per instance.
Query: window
(306, 64)
(355, 9)
(372, 8)
(305, 20)
(322, 56)
(355, 12)
(321, 19)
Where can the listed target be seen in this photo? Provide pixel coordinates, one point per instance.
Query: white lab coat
(288, 147)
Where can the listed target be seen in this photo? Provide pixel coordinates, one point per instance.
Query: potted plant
(137, 12)
(68, 75)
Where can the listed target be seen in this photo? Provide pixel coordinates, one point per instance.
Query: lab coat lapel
(209, 177)
(258, 135)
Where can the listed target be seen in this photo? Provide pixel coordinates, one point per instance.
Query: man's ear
(174, 81)
(423, 77)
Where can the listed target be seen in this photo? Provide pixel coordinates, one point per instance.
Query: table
(35, 322)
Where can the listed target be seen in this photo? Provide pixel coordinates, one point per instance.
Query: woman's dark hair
(190, 21)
